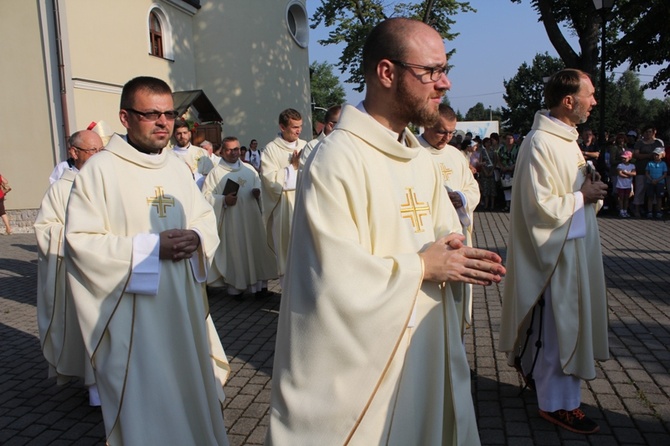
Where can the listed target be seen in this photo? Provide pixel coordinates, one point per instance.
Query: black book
(231, 187)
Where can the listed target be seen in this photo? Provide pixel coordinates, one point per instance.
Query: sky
(491, 46)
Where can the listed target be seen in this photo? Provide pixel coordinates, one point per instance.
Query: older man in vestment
(556, 285)
(244, 259)
(368, 345)
(279, 174)
(462, 188)
(60, 335)
(139, 238)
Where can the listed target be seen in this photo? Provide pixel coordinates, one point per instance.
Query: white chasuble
(349, 366)
(243, 257)
(457, 176)
(278, 200)
(541, 253)
(159, 364)
(60, 335)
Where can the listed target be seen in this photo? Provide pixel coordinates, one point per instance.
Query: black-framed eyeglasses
(434, 72)
(154, 115)
(93, 150)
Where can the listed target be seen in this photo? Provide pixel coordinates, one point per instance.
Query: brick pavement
(629, 398)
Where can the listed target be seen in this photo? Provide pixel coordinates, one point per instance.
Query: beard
(581, 113)
(415, 109)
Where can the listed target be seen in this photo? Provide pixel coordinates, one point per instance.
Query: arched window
(159, 32)
(155, 35)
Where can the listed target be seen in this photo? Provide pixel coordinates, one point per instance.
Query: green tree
(645, 38)
(477, 113)
(524, 93)
(325, 88)
(354, 19)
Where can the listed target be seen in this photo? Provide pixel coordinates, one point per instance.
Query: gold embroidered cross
(446, 172)
(414, 210)
(241, 181)
(160, 201)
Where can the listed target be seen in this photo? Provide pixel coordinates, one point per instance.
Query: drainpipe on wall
(61, 73)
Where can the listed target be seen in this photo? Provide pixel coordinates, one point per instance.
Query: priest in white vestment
(244, 259)
(279, 176)
(140, 237)
(461, 185)
(60, 335)
(187, 152)
(368, 345)
(554, 258)
(330, 119)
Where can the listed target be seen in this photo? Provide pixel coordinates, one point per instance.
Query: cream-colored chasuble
(243, 257)
(367, 353)
(60, 335)
(278, 201)
(457, 176)
(159, 364)
(550, 168)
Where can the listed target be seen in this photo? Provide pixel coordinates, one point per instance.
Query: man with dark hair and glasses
(139, 239)
(461, 186)
(369, 347)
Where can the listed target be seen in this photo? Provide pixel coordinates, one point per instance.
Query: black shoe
(572, 420)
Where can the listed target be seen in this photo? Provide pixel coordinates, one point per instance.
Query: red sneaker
(572, 420)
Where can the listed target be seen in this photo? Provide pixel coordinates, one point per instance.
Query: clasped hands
(449, 260)
(593, 189)
(178, 244)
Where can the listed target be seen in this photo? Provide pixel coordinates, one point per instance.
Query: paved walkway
(630, 397)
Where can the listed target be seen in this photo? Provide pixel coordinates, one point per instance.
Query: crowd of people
(369, 229)
(633, 168)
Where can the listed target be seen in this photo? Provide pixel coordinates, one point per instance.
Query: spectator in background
(643, 153)
(4, 189)
(655, 175)
(253, 155)
(487, 182)
(507, 154)
(625, 172)
(588, 146)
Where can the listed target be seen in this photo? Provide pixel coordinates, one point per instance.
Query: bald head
(83, 145)
(404, 63)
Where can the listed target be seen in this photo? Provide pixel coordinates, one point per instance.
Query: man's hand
(448, 260)
(593, 191)
(295, 159)
(230, 199)
(256, 192)
(178, 244)
(456, 200)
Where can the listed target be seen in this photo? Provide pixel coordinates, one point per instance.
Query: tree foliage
(352, 21)
(637, 33)
(524, 92)
(645, 39)
(326, 88)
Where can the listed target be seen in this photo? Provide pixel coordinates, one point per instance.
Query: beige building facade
(70, 58)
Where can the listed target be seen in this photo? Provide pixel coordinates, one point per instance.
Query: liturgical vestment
(60, 335)
(550, 169)
(277, 198)
(367, 352)
(457, 176)
(243, 257)
(158, 361)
